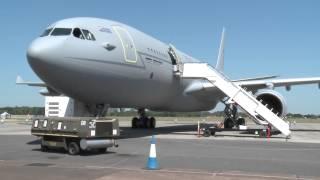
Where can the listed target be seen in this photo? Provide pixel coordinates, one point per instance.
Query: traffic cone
(152, 163)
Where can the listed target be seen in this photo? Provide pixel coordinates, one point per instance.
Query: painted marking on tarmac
(95, 167)
(119, 162)
(222, 174)
(145, 170)
(123, 160)
(254, 176)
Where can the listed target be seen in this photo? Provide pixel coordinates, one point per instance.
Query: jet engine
(273, 101)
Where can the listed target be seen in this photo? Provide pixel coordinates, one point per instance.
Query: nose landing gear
(143, 121)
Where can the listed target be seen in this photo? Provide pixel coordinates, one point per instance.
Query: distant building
(5, 115)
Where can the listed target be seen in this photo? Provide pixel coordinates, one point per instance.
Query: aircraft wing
(203, 88)
(256, 78)
(20, 81)
(260, 84)
(46, 91)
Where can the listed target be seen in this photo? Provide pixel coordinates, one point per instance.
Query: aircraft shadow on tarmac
(128, 132)
(306, 130)
(61, 151)
(245, 136)
(34, 142)
(189, 129)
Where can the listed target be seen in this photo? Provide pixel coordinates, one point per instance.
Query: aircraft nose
(34, 51)
(42, 53)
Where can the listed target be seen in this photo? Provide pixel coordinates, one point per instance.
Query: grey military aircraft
(103, 63)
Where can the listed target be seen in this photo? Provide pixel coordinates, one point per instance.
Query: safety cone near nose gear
(152, 163)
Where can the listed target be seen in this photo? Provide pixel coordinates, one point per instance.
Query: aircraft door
(175, 59)
(128, 46)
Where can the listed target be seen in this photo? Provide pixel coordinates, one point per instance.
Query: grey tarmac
(181, 154)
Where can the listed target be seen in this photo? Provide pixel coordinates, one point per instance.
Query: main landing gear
(231, 117)
(143, 121)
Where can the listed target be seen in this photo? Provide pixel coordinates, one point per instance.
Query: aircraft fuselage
(122, 67)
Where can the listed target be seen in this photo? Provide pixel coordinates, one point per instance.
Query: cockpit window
(88, 35)
(46, 32)
(77, 33)
(61, 32)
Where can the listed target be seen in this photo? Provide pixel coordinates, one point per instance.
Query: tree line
(24, 110)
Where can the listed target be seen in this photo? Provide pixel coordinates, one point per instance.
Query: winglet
(220, 60)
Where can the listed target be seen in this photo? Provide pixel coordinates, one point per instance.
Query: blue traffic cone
(152, 163)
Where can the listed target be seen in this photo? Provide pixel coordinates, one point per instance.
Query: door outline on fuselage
(127, 43)
(175, 59)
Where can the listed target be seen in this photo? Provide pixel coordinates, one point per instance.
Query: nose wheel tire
(152, 122)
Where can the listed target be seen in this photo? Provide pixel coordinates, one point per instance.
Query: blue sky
(263, 38)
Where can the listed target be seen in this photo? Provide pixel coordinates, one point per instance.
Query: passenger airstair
(260, 113)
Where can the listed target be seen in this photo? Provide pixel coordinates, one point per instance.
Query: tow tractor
(76, 134)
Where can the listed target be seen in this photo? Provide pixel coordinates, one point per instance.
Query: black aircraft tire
(146, 122)
(134, 122)
(152, 122)
(228, 123)
(73, 148)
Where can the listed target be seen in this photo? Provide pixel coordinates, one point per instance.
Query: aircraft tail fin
(220, 60)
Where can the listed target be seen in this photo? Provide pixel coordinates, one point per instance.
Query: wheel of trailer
(152, 122)
(134, 122)
(213, 133)
(102, 150)
(73, 148)
(228, 123)
(44, 148)
(206, 133)
(262, 134)
(241, 121)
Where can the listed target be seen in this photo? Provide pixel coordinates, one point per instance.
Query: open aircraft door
(176, 60)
